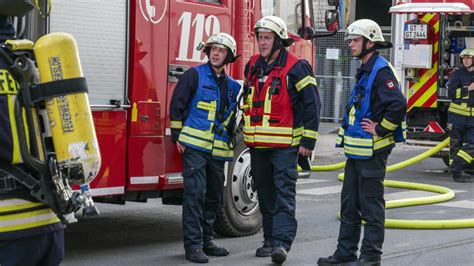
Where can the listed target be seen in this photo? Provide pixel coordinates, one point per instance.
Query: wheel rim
(244, 192)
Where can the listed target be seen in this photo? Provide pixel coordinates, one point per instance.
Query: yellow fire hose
(445, 194)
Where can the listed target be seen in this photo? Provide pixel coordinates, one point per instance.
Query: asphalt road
(150, 233)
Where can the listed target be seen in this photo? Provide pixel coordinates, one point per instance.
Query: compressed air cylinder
(70, 118)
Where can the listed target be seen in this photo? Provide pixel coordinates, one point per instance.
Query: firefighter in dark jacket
(202, 120)
(281, 120)
(374, 122)
(461, 116)
(30, 232)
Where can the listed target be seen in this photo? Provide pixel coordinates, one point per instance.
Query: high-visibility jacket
(462, 101)
(18, 217)
(357, 143)
(9, 144)
(205, 128)
(268, 116)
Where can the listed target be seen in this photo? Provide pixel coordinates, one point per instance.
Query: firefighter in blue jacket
(30, 232)
(202, 121)
(461, 116)
(374, 122)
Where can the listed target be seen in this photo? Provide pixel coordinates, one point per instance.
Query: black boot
(196, 256)
(211, 249)
(337, 261)
(365, 262)
(265, 250)
(279, 255)
(460, 176)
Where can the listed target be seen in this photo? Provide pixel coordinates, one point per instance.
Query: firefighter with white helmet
(281, 120)
(374, 122)
(202, 112)
(460, 116)
(30, 232)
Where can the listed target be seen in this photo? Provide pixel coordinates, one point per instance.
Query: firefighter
(374, 122)
(30, 232)
(281, 120)
(460, 116)
(202, 121)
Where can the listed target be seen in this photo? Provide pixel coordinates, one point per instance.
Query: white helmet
(467, 52)
(276, 25)
(369, 29)
(224, 39)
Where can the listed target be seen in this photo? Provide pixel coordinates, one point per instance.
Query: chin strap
(366, 51)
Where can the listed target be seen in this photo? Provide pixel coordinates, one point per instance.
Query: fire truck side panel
(111, 132)
(424, 91)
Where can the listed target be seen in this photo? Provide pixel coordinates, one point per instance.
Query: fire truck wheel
(239, 215)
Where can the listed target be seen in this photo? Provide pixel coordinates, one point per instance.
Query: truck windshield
(285, 9)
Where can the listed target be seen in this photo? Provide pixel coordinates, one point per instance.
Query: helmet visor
(349, 37)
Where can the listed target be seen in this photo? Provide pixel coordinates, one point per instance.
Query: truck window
(280, 9)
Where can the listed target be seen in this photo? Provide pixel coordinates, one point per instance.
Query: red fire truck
(428, 36)
(132, 54)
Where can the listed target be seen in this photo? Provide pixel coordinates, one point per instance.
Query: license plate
(416, 31)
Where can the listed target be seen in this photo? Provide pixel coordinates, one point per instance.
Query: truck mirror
(331, 18)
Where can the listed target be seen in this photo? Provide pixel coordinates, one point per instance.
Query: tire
(240, 213)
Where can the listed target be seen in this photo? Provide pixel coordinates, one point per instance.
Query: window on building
(366, 8)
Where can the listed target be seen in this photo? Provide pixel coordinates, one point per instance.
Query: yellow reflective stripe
(267, 104)
(465, 156)
(223, 153)
(14, 204)
(8, 85)
(27, 220)
(194, 141)
(458, 93)
(383, 142)
(16, 143)
(310, 134)
(265, 123)
(461, 109)
(358, 141)
(274, 139)
(249, 138)
(304, 82)
(274, 130)
(207, 106)
(176, 124)
(198, 133)
(298, 131)
(352, 116)
(388, 125)
(296, 141)
(340, 136)
(221, 144)
(358, 151)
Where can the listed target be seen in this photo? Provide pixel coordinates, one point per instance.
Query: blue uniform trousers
(203, 189)
(274, 173)
(462, 138)
(41, 250)
(362, 197)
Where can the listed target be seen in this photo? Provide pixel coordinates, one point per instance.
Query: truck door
(148, 84)
(191, 22)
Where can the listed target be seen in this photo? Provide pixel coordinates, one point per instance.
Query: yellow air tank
(70, 118)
